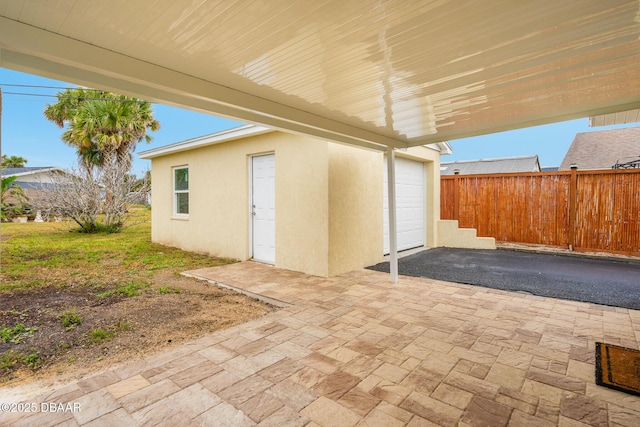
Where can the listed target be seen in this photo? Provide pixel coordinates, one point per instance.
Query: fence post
(456, 194)
(573, 188)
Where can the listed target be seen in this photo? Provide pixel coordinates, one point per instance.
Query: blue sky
(26, 133)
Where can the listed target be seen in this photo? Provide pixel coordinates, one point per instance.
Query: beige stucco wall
(328, 201)
(355, 208)
(218, 220)
(302, 243)
(356, 201)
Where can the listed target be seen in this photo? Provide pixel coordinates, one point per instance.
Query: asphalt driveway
(601, 281)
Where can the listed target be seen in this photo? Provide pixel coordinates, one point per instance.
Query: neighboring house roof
(549, 169)
(28, 170)
(603, 149)
(32, 178)
(233, 134)
(34, 185)
(499, 165)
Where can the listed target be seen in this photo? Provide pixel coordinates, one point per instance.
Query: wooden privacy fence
(595, 210)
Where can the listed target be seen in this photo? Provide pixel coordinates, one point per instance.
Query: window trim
(176, 192)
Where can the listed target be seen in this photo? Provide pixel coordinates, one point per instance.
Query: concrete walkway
(357, 350)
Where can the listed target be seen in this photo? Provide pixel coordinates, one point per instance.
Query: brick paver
(356, 350)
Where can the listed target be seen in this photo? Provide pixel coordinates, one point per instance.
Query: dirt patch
(110, 327)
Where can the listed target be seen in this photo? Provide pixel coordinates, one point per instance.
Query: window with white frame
(181, 190)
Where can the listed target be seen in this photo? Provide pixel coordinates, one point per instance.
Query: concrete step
(450, 235)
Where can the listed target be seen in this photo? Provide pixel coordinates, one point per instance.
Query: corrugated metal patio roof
(370, 73)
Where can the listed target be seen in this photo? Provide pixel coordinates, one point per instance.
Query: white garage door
(410, 202)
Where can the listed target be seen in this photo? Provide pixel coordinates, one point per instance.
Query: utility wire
(74, 97)
(33, 94)
(46, 87)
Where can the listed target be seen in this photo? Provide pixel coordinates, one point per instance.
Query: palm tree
(13, 161)
(102, 126)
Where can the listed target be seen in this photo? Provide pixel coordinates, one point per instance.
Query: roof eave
(206, 140)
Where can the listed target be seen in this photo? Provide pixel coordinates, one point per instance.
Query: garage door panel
(410, 201)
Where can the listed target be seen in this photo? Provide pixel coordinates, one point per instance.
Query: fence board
(608, 213)
(536, 208)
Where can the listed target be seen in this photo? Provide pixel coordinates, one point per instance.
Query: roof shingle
(603, 149)
(499, 165)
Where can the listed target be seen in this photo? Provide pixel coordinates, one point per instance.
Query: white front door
(263, 208)
(410, 205)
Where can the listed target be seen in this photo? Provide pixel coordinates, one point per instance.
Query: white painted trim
(175, 214)
(442, 147)
(445, 147)
(206, 140)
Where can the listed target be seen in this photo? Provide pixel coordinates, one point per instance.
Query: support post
(393, 234)
(573, 186)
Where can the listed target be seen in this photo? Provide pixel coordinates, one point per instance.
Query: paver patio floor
(356, 350)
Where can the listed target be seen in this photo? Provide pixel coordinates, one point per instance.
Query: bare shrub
(96, 199)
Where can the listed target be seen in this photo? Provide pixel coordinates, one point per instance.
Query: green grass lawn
(70, 300)
(52, 254)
